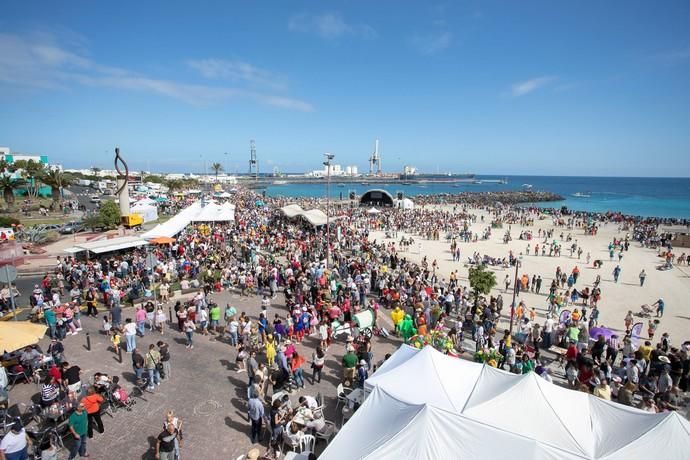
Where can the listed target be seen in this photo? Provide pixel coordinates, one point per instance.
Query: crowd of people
(266, 255)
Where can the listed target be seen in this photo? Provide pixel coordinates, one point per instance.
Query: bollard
(88, 342)
(169, 315)
(119, 354)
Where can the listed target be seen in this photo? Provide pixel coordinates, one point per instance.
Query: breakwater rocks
(488, 198)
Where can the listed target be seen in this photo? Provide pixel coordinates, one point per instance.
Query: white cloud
(329, 26)
(237, 71)
(432, 43)
(525, 87)
(40, 63)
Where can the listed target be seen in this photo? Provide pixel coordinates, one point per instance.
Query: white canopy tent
(211, 212)
(373, 211)
(108, 245)
(426, 405)
(176, 224)
(214, 212)
(405, 203)
(315, 217)
(148, 212)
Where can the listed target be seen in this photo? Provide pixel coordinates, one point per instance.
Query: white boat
(582, 195)
(279, 182)
(527, 186)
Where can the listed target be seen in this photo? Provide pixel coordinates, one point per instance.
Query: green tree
(174, 185)
(93, 221)
(20, 164)
(481, 281)
(154, 179)
(33, 171)
(217, 167)
(8, 184)
(56, 180)
(109, 214)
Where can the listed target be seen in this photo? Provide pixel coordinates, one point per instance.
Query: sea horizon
(638, 196)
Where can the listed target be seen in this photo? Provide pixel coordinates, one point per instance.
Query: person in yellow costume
(397, 316)
(270, 350)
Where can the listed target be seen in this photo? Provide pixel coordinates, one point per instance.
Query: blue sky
(535, 87)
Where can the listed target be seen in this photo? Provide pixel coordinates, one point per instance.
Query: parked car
(72, 227)
(95, 199)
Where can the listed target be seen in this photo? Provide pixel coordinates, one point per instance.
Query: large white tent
(214, 212)
(148, 212)
(426, 405)
(315, 217)
(210, 212)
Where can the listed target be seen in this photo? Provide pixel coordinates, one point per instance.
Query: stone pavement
(204, 391)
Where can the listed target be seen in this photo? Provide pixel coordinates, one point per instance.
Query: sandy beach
(617, 298)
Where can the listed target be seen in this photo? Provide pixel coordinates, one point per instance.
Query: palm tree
(95, 170)
(217, 167)
(56, 180)
(33, 173)
(8, 184)
(173, 184)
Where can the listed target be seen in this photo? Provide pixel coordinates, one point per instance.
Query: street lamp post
(512, 305)
(327, 163)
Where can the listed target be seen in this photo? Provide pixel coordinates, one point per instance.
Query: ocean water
(659, 197)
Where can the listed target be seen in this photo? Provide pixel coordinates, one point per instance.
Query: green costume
(407, 328)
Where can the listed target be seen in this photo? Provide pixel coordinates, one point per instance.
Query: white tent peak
(424, 404)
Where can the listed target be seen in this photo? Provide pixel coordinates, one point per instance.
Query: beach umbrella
(15, 335)
(595, 332)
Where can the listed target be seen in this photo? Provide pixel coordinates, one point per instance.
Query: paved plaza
(205, 391)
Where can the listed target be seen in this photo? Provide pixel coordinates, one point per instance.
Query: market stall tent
(147, 211)
(427, 405)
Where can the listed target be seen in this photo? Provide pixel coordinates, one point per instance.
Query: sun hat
(253, 454)
(362, 362)
(664, 359)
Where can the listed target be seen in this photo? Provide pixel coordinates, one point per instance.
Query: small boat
(341, 185)
(477, 182)
(407, 183)
(527, 187)
(279, 182)
(582, 195)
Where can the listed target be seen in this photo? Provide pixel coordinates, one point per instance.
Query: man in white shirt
(548, 331)
(15, 442)
(130, 334)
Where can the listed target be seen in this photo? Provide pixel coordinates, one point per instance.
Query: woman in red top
(296, 366)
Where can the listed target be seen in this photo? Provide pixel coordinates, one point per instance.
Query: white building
(8, 156)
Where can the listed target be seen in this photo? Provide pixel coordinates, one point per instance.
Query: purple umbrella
(595, 332)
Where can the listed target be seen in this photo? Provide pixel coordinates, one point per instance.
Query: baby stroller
(118, 398)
